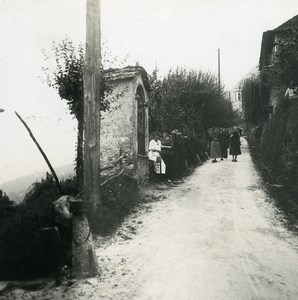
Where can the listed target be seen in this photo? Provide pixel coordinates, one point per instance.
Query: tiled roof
(129, 72)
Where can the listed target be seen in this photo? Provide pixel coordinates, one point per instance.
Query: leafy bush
(6, 206)
(24, 251)
(20, 249)
(284, 63)
(185, 153)
(252, 100)
(119, 197)
(277, 156)
(188, 101)
(280, 139)
(66, 77)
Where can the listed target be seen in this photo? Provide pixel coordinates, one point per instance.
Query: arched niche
(140, 98)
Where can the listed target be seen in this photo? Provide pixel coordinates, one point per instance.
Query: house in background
(236, 97)
(236, 91)
(125, 126)
(269, 48)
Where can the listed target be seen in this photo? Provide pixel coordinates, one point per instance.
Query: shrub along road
(216, 236)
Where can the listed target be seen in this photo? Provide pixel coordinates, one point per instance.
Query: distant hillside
(16, 189)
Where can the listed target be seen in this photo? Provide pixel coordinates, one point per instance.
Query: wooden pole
(84, 260)
(218, 61)
(92, 104)
(42, 153)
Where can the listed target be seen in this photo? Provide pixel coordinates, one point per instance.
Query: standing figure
(224, 144)
(235, 145)
(167, 154)
(291, 91)
(155, 157)
(214, 147)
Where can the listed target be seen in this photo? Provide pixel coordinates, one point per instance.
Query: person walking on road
(224, 143)
(235, 145)
(214, 147)
(167, 154)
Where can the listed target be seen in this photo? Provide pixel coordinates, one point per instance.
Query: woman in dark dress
(167, 154)
(235, 145)
(224, 144)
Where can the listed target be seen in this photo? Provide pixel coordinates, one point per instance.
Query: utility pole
(218, 61)
(84, 260)
(92, 104)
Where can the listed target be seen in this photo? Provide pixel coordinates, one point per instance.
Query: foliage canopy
(285, 61)
(66, 76)
(252, 100)
(188, 101)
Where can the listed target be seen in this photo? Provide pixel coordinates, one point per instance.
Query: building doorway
(140, 98)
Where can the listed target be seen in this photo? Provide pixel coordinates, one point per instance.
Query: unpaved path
(216, 236)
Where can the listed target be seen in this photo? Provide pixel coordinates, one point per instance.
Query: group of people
(161, 155)
(219, 144)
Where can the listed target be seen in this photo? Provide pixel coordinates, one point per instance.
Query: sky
(154, 33)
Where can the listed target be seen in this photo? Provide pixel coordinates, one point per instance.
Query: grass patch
(279, 189)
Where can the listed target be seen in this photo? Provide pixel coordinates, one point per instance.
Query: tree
(6, 205)
(67, 78)
(252, 100)
(188, 101)
(154, 100)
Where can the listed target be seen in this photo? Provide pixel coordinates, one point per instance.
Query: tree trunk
(84, 260)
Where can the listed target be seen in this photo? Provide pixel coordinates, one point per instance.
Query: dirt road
(216, 236)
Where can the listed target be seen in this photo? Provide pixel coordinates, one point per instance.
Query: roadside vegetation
(275, 139)
(275, 155)
(65, 75)
(185, 102)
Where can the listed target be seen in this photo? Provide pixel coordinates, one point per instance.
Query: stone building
(269, 48)
(125, 126)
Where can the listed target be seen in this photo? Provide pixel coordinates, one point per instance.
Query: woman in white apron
(154, 155)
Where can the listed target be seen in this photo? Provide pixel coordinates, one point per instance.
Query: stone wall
(119, 125)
